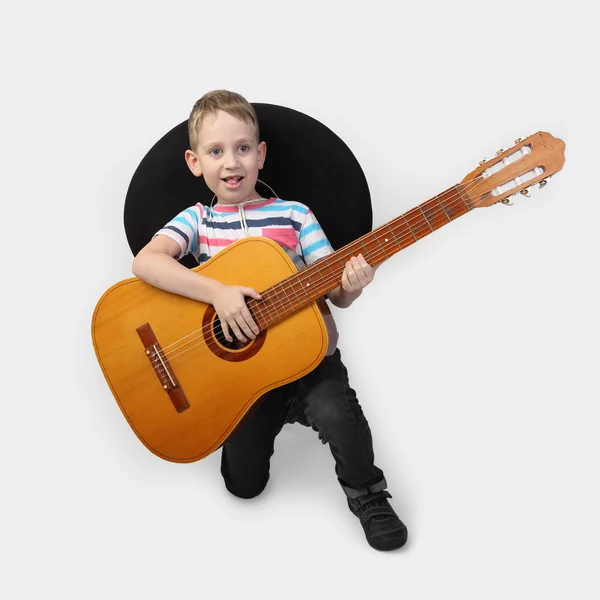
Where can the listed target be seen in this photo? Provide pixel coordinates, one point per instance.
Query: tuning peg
(506, 201)
(483, 162)
(526, 193)
(500, 151)
(518, 141)
(543, 182)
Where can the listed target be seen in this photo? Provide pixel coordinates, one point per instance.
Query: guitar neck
(299, 290)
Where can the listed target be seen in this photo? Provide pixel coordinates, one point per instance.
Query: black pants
(331, 408)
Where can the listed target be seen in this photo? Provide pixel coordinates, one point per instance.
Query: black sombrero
(306, 162)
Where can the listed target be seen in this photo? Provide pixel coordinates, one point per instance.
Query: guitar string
(328, 279)
(333, 276)
(276, 302)
(260, 311)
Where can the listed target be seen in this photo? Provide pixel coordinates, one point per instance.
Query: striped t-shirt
(202, 232)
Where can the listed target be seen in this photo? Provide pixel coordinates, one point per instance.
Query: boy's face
(229, 157)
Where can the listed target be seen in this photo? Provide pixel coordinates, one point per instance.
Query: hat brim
(306, 162)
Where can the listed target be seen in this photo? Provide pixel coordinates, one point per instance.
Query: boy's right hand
(230, 304)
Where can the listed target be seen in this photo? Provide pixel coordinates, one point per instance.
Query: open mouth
(233, 182)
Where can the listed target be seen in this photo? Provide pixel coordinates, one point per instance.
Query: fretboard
(299, 290)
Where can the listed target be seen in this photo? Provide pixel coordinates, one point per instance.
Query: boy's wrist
(350, 296)
(211, 287)
(343, 299)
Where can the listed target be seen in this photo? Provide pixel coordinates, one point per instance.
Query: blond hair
(230, 102)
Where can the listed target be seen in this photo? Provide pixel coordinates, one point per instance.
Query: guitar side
(283, 353)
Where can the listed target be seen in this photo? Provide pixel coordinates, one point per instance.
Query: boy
(225, 150)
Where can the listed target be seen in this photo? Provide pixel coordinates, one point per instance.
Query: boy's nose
(231, 160)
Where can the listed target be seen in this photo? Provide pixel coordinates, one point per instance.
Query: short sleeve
(313, 241)
(185, 230)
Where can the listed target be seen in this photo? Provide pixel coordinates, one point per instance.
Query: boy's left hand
(357, 274)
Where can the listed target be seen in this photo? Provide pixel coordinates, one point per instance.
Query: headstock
(530, 161)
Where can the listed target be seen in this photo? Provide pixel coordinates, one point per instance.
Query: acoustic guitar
(184, 389)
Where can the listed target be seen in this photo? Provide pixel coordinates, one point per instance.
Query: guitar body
(184, 389)
(219, 383)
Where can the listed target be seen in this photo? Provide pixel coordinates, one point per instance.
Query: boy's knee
(246, 491)
(330, 412)
(244, 479)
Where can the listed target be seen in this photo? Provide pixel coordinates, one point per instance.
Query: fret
(426, 219)
(335, 275)
(394, 236)
(310, 286)
(419, 227)
(434, 215)
(409, 228)
(293, 287)
(267, 307)
(323, 281)
(365, 249)
(382, 248)
(461, 196)
(257, 313)
(306, 286)
(452, 203)
(438, 201)
(285, 293)
(274, 306)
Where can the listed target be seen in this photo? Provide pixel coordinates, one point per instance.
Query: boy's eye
(215, 152)
(244, 148)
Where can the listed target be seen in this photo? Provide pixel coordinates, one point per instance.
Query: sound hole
(220, 336)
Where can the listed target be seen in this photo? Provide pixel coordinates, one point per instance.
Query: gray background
(474, 353)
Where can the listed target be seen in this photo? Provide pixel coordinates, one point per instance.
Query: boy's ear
(262, 154)
(193, 163)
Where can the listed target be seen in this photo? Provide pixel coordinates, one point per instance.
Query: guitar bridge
(162, 368)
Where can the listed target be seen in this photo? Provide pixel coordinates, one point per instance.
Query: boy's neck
(219, 203)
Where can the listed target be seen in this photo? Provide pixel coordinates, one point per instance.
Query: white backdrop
(474, 353)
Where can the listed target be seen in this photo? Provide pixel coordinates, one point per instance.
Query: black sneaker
(383, 529)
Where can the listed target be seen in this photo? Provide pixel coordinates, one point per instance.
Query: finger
(225, 329)
(345, 280)
(350, 277)
(251, 292)
(355, 270)
(244, 326)
(364, 270)
(236, 330)
(364, 264)
(358, 277)
(364, 275)
(247, 315)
